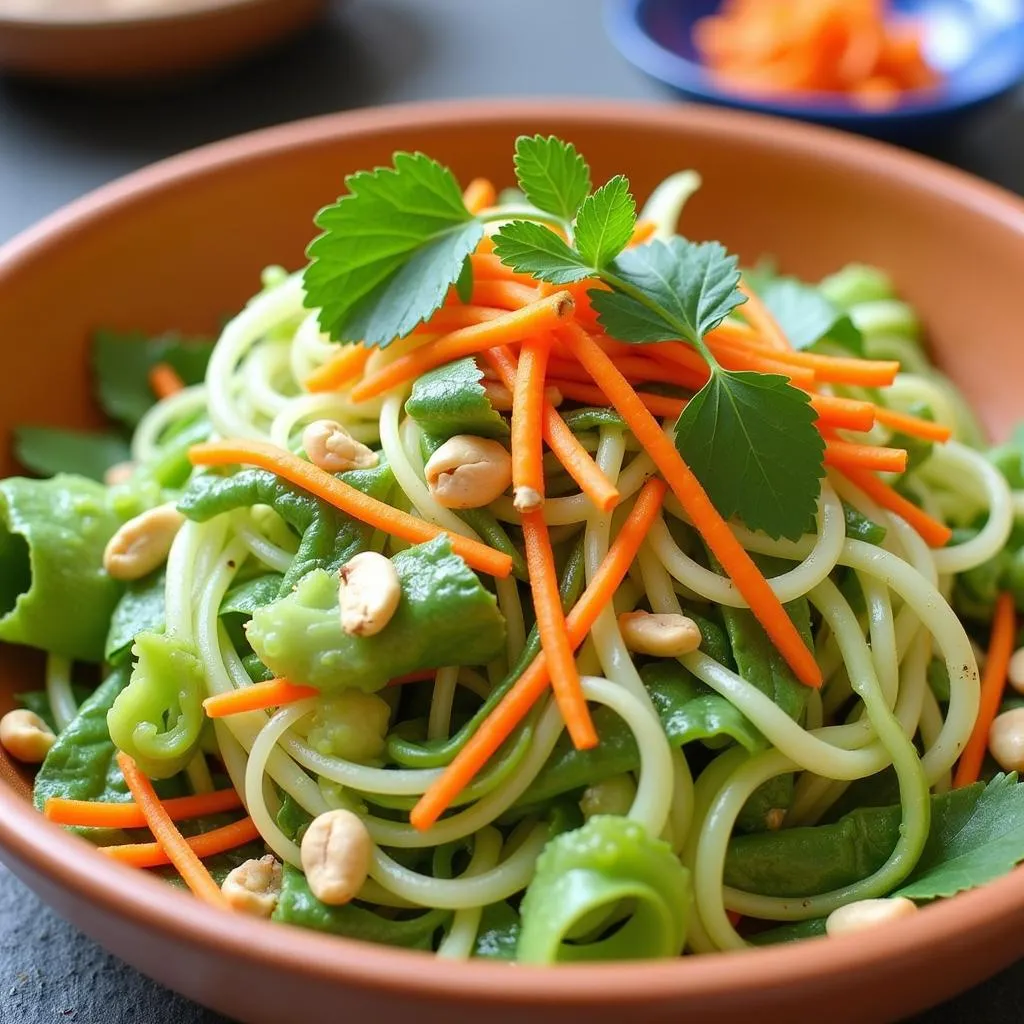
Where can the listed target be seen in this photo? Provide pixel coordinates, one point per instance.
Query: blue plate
(978, 45)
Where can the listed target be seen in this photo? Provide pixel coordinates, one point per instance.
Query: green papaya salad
(523, 580)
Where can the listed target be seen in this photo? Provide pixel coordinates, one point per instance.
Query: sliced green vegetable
(608, 860)
(860, 527)
(592, 418)
(450, 400)
(158, 718)
(445, 617)
(39, 703)
(498, 934)
(48, 451)
(351, 726)
(141, 609)
(247, 597)
(299, 906)
(795, 932)
(856, 283)
(54, 592)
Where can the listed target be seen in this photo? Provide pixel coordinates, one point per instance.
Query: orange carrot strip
(678, 372)
(505, 294)
(527, 424)
(340, 369)
(762, 362)
(687, 488)
(450, 318)
(913, 425)
(642, 232)
(561, 440)
(865, 456)
(207, 844)
(757, 314)
(516, 704)
(164, 380)
(100, 814)
(554, 636)
(935, 534)
(479, 195)
(467, 341)
(993, 682)
(270, 694)
(634, 368)
(659, 405)
(487, 267)
(342, 495)
(847, 413)
(169, 841)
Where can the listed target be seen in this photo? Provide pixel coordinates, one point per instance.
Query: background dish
(90, 42)
(978, 47)
(907, 210)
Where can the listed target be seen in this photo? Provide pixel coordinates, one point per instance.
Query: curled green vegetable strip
(158, 718)
(593, 869)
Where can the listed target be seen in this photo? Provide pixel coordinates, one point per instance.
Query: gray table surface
(56, 144)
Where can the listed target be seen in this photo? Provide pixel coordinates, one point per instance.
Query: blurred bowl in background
(112, 40)
(977, 45)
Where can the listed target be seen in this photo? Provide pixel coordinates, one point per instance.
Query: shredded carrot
(165, 381)
(487, 267)
(242, 451)
(913, 425)
(505, 294)
(935, 534)
(993, 681)
(634, 368)
(642, 232)
(561, 440)
(865, 456)
(554, 636)
(450, 318)
(479, 195)
(341, 369)
(100, 814)
(466, 341)
(207, 844)
(687, 488)
(169, 841)
(761, 319)
(847, 413)
(659, 405)
(270, 694)
(762, 361)
(528, 424)
(516, 704)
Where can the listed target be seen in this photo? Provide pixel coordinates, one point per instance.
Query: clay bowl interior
(91, 40)
(181, 244)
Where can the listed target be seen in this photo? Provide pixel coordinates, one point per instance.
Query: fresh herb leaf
(751, 441)
(530, 248)
(464, 285)
(687, 289)
(981, 844)
(49, 451)
(806, 316)
(553, 175)
(121, 363)
(605, 222)
(390, 250)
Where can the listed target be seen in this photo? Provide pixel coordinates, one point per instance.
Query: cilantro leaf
(390, 250)
(553, 175)
(464, 284)
(530, 248)
(690, 289)
(49, 451)
(750, 439)
(806, 315)
(605, 222)
(975, 847)
(121, 365)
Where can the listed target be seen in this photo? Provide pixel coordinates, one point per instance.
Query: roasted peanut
(255, 886)
(865, 914)
(468, 471)
(119, 473)
(336, 852)
(662, 636)
(142, 543)
(1015, 673)
(1006, 740)
(369, 594)
(25, 736)
(332, 448)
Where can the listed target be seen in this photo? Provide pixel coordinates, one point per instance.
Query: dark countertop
(56, 144)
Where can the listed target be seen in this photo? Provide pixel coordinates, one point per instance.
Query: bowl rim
(625, 25)
(48, 852)
(96, 18)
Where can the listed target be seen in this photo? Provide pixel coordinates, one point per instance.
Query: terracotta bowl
(86, 40)
(180, 245)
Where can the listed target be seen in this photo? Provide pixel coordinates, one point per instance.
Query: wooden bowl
(85, 40)
(181, 244)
